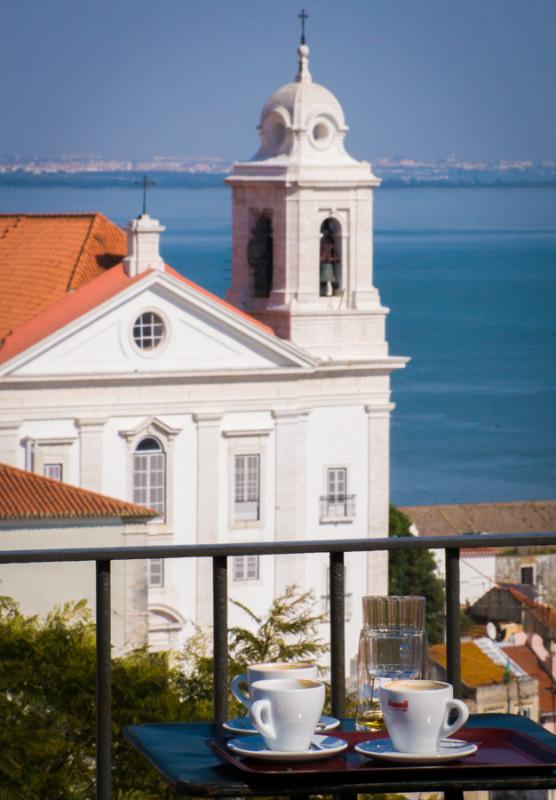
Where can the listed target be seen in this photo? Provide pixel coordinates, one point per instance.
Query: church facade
(262, 417)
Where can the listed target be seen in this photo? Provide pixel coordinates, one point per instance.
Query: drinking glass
(392, 645)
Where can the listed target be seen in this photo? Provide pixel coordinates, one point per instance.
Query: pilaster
(90, 453)
(378, 444)
(208, 494)
(136, 593)
(9, 443)
(291, 492)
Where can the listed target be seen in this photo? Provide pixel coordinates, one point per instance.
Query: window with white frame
(337, 503)
(247, 482)
(149, 475)
(246, 568)
(53, 471)
(156, 572)
(148, 331)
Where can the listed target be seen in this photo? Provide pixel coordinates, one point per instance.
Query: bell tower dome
(302, 227)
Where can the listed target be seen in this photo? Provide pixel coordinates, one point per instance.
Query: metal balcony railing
(337, 506)
(103, 556)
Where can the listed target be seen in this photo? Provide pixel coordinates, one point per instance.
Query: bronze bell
(327, 272)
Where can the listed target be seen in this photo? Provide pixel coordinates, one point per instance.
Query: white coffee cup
(297, 670)
(416, 714)
(286, 712)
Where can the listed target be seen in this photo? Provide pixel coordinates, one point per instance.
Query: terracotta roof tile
(477, 669)
(55, 268)
(24, 495)
(43, 256)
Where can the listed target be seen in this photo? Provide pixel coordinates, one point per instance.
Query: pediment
(201, 334)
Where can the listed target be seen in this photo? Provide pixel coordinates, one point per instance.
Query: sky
(424, 79)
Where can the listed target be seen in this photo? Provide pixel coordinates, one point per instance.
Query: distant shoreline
(203, 180)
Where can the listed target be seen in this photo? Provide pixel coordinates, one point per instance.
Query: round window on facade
(149, 331)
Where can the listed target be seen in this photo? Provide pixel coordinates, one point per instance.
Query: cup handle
(463, 714)
(259, 709)
(239, 693)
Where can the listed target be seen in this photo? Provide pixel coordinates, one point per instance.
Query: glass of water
(392, 645)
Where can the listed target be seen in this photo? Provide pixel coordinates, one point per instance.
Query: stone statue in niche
(329, 259)
(259, 256)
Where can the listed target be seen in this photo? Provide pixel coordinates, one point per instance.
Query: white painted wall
(38, 588)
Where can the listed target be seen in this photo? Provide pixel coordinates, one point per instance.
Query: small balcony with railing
(337, 508)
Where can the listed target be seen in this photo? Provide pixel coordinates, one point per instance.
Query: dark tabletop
(181, 754)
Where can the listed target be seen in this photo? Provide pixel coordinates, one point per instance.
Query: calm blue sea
(470, 277)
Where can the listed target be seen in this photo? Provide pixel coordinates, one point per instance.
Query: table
(180, 754)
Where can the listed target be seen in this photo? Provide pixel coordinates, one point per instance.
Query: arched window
(149, 475)
(165, 625)
(259, 256)
(330, 257)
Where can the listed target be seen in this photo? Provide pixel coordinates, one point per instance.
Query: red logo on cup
(401, 706)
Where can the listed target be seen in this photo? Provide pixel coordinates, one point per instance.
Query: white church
(261, 417)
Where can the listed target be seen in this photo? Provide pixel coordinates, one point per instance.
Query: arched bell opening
(330, 257)
(260, 256)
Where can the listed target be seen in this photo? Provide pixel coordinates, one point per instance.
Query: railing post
(103, 683)
(453, 653)
(220, 636)
(337, 634)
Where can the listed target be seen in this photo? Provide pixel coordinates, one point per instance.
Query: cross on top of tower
(146, 184)
(303, 16)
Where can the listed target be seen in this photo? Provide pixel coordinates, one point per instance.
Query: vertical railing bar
(103, 683)
(337, 634)
(453, 655)
(220, 636)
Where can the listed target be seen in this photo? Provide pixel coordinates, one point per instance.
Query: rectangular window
(527, 576)
(247, 488)
(246, 568)
(336, 503)
(53, 471)
(149, 480)
(156, 572)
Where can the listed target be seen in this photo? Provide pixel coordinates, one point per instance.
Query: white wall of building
(39, 588)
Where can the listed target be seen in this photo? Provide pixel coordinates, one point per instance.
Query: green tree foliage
(286, 632)
(414, 572)
(47, 694)
(47, 708)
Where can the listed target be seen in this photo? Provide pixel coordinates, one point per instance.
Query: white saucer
(254, 747)
(244, 725)
(449, 750)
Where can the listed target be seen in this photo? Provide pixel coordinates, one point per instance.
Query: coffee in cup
(416, 714)
(241, 684)
(285, 712)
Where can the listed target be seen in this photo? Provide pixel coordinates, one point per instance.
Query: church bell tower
(302, 228)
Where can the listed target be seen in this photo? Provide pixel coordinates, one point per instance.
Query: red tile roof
(26, 496)
(44, 256)
(528, 661)
(71, 306)
(55, 268)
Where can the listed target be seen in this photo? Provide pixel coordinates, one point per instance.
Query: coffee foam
(286, 684)
(280, 667)
(415, 686)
